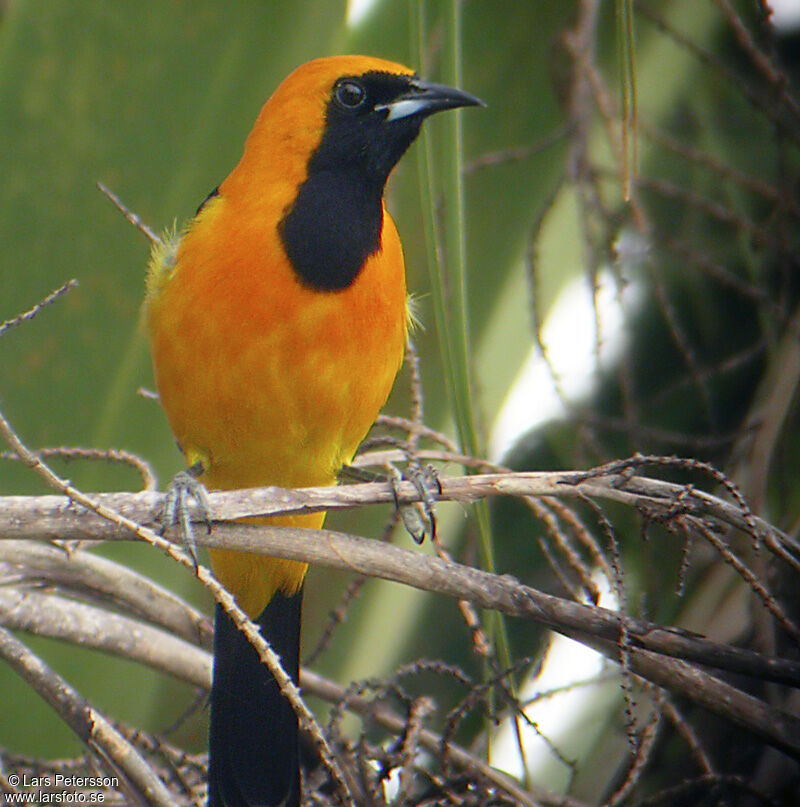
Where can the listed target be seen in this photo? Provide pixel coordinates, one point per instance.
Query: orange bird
(277, 323)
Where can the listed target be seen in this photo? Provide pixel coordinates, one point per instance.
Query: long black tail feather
(253, 735)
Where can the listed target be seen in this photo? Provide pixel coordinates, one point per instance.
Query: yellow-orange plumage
(265, 381)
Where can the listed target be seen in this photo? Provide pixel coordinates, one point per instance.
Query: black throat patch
(335, 222)
(332, 228)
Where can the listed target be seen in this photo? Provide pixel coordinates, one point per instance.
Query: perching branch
(52, 517)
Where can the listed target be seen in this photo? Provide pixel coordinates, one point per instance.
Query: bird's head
(352, 113)
(320, 154)
(374, 111)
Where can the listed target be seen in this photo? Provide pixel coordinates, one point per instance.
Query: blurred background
(599, 326)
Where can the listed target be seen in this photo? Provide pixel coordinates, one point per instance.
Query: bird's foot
(419, 518)
(184, 487)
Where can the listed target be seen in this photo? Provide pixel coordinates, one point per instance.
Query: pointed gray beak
(424, 98)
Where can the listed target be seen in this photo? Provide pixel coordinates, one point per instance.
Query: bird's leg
(185, 486)
(353, 474)
(426, 481)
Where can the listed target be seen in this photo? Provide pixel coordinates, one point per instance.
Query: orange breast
(266, 381)
(273, 383)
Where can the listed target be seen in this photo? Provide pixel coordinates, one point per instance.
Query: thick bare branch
(339, 551)
(56, 617)
(59, 617)
(94, 577)
(54, 517)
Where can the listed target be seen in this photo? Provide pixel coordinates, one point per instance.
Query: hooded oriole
(277, 324)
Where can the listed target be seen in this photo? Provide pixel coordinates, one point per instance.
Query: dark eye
(350, 94)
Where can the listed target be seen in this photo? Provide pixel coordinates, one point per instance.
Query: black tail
(253, 743)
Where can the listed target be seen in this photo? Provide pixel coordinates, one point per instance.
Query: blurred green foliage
(155, 100)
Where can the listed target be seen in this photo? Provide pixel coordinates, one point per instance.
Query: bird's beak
(423, 98)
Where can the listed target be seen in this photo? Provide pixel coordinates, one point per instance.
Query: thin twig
(141, 466)
(27, 316)
(143, 228)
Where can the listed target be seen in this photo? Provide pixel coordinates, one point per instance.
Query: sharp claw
(414, 522)
(432, 480)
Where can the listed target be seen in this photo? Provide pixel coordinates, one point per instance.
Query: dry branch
(55, 517)
(650, 644)
(94, 578)
(56, 617)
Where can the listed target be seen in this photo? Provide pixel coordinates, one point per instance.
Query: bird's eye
(350, 94)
